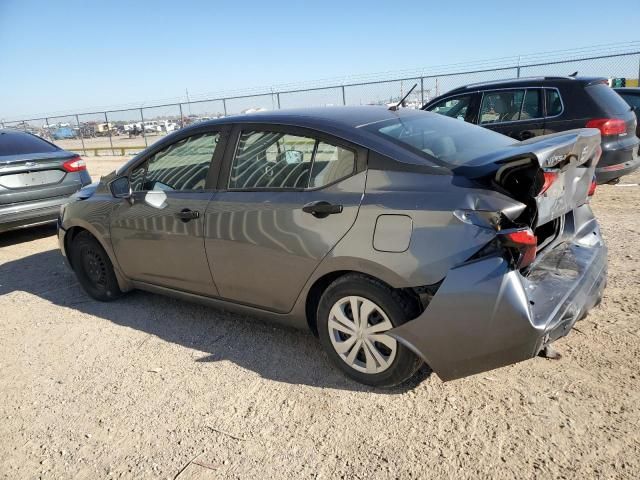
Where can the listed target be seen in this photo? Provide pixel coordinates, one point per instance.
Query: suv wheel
(93, 268)
(354, 314)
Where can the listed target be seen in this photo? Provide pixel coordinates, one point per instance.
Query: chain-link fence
(126, 131)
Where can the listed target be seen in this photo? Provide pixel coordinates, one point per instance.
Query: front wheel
(93, 268)
(354, 315)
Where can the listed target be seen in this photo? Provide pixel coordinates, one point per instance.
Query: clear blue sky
(65, 55)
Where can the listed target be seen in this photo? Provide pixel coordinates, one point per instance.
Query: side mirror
(121, 188)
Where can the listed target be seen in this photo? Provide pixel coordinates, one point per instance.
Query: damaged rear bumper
(486, 315)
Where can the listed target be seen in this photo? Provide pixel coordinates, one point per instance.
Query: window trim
(360, 154)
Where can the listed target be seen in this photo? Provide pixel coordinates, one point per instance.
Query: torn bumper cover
(487, 315)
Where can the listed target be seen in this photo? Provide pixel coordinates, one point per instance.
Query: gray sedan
(36, 178)
(397, 237)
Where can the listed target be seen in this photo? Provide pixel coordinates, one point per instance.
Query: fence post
(46, 121)
(224, 106)
(344, 98)
(278, 98)
(106, 119)
(144, 133)
(518, 71)
(181, 117)
(421, 91)
(84, 151)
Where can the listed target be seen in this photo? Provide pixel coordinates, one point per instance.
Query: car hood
(86, 191)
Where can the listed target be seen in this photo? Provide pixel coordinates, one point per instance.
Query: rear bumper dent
(486, 315)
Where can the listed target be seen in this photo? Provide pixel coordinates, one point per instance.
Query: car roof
(536, 81)
(321, 118)
(342, 122)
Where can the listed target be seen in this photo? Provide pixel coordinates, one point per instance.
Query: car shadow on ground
(23, 235)
(274, 352)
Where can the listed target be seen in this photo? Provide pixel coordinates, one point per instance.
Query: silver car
(397, 237)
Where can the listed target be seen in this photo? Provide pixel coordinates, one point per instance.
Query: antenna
(395, 107)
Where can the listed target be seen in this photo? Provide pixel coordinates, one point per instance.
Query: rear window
(18, 143)
(607, 99)
(452, 142)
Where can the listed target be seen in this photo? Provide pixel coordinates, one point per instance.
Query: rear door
(287, 197)
(515, 112)
(158, 235)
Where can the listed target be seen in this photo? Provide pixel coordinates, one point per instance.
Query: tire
(390, 309)
(93, 268)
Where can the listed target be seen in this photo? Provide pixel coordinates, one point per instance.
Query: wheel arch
(322, 282)
(74, 230)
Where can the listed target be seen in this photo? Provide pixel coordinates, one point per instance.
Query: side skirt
(285, 319)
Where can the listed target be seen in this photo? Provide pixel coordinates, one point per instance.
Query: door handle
(186, 214)
(321, 209)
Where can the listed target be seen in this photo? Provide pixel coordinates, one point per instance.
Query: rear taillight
(608, 126)
(549, 178)
(522, 242)
(74, 164)
(592, 187)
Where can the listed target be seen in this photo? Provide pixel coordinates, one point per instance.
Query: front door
(158, 235)
(289, 196)
(516, 113)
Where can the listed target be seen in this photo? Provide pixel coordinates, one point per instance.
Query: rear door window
(503, 106)
(20, 143)
(278, 160)
(607, 99)
(532, 105)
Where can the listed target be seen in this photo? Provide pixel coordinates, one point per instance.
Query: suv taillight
(522, 242)
(608, 126)
(74, 164)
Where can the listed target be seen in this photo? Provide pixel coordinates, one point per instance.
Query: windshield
(452, 142)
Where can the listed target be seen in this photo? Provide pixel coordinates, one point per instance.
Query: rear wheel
(354, 315)
(93, 268)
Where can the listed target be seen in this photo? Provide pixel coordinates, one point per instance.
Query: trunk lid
(550, 174)
(27, 177)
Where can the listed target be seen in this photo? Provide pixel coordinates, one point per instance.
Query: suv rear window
(452, 142)
(607, 99)
(19, 143)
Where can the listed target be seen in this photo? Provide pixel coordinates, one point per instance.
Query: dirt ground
(152, 387)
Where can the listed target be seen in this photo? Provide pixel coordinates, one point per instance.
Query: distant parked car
(397, 236)
(63, 133)
(36, 178)
(527, 107)
(632, 97)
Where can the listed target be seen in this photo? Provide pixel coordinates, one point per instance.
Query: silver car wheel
(357, 329)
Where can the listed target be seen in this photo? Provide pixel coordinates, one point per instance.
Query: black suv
(526, 107)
